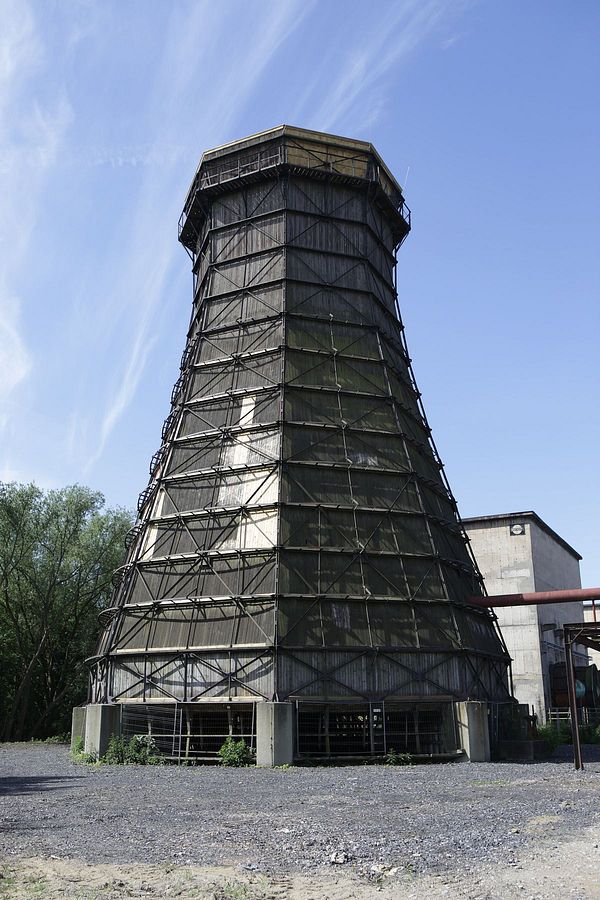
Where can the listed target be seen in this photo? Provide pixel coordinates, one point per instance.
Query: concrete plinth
(473, 730)
(274, 734)
(102, 720)
(77, 725)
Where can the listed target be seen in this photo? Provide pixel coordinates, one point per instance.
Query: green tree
(58, 550)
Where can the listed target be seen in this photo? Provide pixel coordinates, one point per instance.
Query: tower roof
(289, 148)
(302, 134)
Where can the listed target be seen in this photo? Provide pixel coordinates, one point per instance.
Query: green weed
(140, 750)
(236, 753)
(393, 758)
(64, 738)
(78, 754)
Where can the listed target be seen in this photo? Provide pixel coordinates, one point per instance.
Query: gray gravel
(425, 819)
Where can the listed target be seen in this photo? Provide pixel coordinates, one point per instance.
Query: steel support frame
(586, 634)
(272, 163)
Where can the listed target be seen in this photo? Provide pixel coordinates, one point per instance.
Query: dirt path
(567, 870)
(59, 878)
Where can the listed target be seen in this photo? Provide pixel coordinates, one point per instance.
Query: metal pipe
(565, 596)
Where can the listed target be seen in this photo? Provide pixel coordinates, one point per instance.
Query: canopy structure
(298, 540)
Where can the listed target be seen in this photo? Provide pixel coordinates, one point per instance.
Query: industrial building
(519, 553)
(298, 575)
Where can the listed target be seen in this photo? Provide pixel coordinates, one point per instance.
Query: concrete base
(473, 730)
(102, 721)
(274, 734)
(77, 725)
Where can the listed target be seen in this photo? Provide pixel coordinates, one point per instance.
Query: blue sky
(486, 111)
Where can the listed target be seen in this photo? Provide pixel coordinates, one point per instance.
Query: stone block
(102, 721)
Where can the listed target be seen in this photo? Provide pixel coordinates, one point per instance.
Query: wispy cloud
(134, 156)
(14, 359)
(112, 268)
(391, 41)
(192, 37)
(30, 136)
(450, 41)
(20, 47)
(198, 36)
(152, 285)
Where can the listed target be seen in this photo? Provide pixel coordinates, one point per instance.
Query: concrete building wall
(528, 557)
(555, 569)
(505, 561)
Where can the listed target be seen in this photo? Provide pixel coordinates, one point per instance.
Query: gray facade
(297, 541)
(519, 553)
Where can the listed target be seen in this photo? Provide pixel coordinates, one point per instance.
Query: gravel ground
(426, 821)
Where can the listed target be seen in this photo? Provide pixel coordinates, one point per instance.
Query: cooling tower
(298, 569)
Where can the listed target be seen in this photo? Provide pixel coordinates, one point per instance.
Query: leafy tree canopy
(58, 550)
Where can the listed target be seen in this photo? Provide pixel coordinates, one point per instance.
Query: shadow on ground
(34, 784)
(590, 753)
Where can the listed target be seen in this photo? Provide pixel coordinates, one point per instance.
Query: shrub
(140, 750)
(393, 758)
(553, 734)
(589, 734)
(563, 734)
(116, 752)
(236, 753)
(549, 733)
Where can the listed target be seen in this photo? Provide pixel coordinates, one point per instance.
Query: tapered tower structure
(298, 559)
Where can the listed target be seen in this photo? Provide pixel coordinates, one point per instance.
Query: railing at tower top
(359, 165)
(214, 173)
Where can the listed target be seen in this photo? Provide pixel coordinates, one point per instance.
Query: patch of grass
(36, 885)
(233, 890)
(7, 881)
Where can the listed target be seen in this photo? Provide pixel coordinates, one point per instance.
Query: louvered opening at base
(338, 730)
(188, 732)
